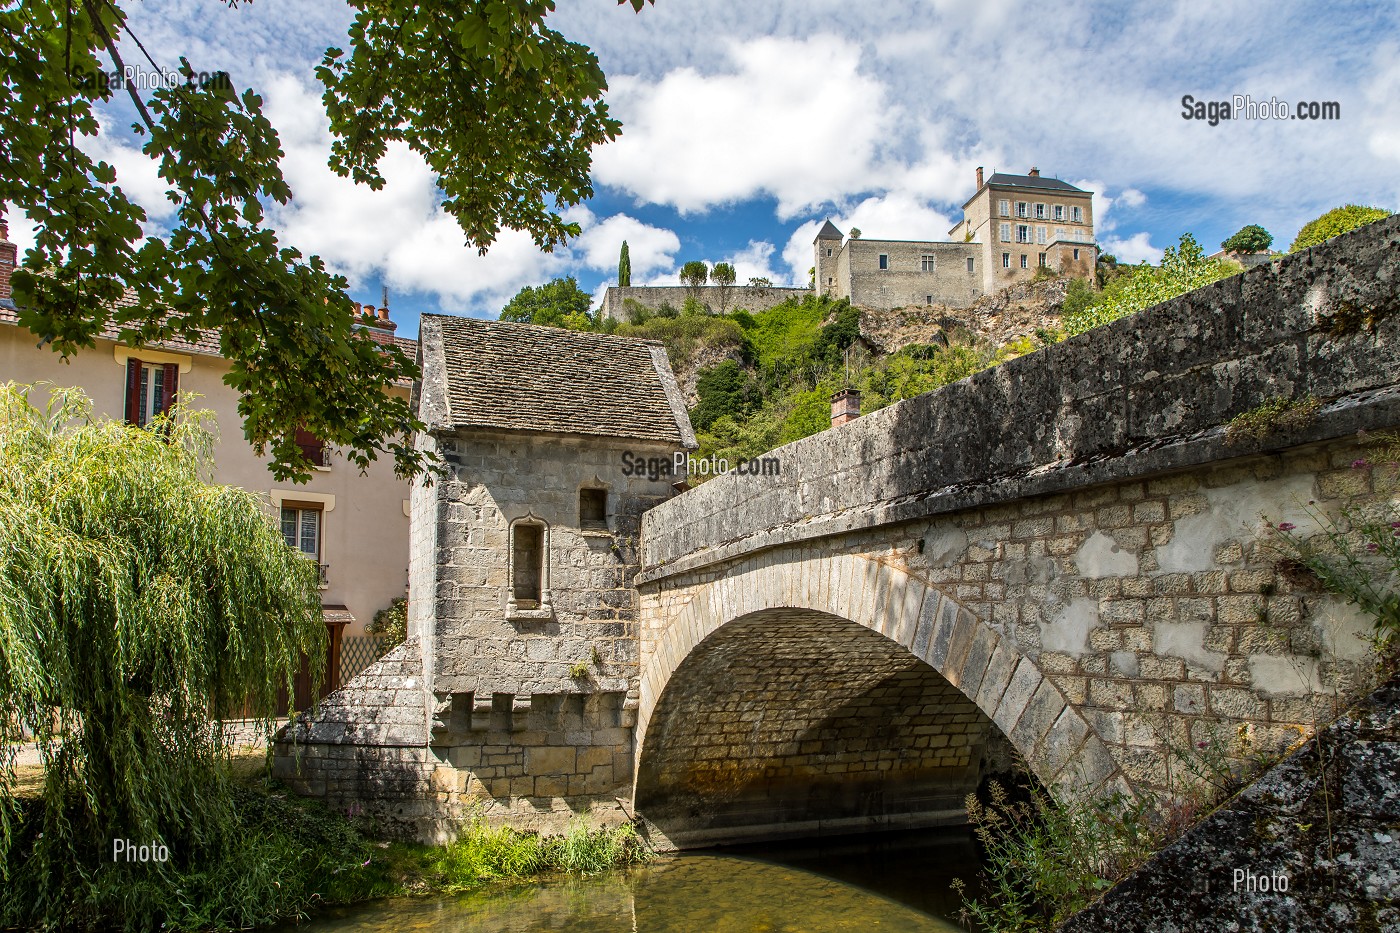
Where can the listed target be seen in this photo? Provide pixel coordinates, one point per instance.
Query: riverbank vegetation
(286, 858)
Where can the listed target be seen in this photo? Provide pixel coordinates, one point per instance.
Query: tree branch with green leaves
(504, 110)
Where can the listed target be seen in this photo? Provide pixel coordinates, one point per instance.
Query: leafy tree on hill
(1335, 222)
(1183, 268)
(624, 266)
(557, 303)
(841, 333)
(1079, 294)
(1250, 239)
(410, 71)
(723, 275)
(693, 276)
(724, 389)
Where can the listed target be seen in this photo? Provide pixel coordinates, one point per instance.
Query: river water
(896, 883)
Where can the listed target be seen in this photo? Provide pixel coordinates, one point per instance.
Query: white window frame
(1006, 233)
(884, 262)
(1025, 264)
(1023, 209)
(1040, 235)
(1077, 214)
(1059, 212)
(1023, 233)
(1004, 208)
(1039, 211)
(1006, 260)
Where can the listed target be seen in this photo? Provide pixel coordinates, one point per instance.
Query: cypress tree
(624, 267)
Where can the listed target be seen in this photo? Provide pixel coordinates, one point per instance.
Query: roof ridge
(574, 334)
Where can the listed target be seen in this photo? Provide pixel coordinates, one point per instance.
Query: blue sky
(745, 124)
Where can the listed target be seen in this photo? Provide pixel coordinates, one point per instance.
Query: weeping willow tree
(137, 602)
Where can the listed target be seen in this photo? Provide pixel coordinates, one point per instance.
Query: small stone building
(517, 689)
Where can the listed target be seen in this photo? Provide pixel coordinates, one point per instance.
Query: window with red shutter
(312, 447)
(150, 390)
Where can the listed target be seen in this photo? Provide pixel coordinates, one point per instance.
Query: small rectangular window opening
(593, 508)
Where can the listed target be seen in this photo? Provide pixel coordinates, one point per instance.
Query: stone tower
(826, 250)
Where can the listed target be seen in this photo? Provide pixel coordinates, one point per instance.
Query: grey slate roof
(828, 232)
(522, 377)
(1033, 181)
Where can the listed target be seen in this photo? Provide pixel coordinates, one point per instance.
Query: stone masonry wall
(731, 298)
(904, 282)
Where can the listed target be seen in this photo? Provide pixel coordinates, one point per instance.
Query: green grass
(290, 858)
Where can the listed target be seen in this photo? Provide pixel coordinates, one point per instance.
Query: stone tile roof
(1033, 181)
(522, 377)
(828, 232)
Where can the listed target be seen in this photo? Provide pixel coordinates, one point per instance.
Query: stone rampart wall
(715, 297)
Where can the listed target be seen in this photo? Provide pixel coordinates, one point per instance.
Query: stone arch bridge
(1065, 558)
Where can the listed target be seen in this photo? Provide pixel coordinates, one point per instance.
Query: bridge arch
(899, 637)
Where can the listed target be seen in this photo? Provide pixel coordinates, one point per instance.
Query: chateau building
(1012, 226)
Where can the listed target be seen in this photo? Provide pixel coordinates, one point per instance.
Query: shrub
(391, 622)
(1079, 295)
(1183, 269)
(1335, 222)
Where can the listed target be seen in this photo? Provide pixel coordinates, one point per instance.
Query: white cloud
(754, 261)
(889, 217)
(398, 235)
(21, 229)
(651, 249)
(795, 120)
(1133, 249)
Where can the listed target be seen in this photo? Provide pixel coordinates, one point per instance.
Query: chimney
(979, 178)
(1034, 172)
(383, 322)
(9, 254)
(845, 407)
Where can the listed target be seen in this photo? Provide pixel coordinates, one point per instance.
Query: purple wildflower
(1286, 526)
(1359, 464)
(1372, 546)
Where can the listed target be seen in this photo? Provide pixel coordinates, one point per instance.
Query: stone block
(551, 760)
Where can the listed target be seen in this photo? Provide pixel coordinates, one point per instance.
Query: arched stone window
(528, 596)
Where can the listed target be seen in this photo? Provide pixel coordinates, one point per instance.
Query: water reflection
(897, 885)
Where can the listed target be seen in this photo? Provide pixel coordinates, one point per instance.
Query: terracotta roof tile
(524, 377)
